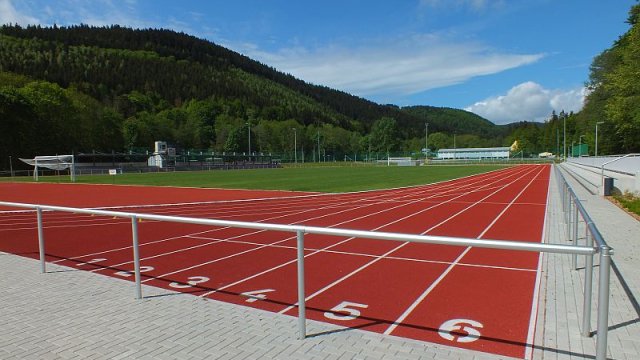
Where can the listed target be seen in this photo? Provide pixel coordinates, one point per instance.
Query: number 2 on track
(130, 273)
(345, 307)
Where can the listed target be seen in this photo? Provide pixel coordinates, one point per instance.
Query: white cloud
(528, 101)
(10, 15)
(391, 68)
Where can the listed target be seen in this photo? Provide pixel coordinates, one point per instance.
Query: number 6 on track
(345, 307)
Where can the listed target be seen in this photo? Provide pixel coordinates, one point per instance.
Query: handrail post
(575, 234)
(603, 302)
(136, 256)
(43, 263)
(302, 320)
(588, 288)
(568, 218)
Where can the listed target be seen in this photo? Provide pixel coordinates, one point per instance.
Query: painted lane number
(455, 329)
(256, 295)
(345, 311)
(191, 281)
(143, 269)
(92, 261)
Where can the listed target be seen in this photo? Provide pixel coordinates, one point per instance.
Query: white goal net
(53, 162)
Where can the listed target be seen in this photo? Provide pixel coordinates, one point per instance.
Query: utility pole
(318, 145)
(572, 145)
(295, 145)
(249, 132)
(557, 142)
(454, 146)
(426, 140)
(564, 138)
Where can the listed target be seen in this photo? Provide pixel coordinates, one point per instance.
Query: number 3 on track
(345, 307)
(453, 330)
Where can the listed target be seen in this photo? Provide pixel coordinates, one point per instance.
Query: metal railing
(300, 230)
(575, 213)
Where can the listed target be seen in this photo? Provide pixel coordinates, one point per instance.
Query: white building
(474, 153)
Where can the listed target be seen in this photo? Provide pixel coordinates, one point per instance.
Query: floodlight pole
(580, 146)
(295, 145)
(249, 132)
(11, 165)
(564, 139)
(597, 123)
(454, 146)
(426, 140)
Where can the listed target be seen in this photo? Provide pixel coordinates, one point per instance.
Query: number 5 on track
(345, 307)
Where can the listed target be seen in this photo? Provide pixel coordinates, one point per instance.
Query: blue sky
(506, 60)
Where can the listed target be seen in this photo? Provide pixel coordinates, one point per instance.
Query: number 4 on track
(256, 295)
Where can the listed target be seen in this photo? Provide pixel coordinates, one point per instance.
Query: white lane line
(338, 199)
(290, 238)
(247, 234)
(536, 292)
(335, 202)
(349, 239)
(431, 287)
(220, 229)
(349, 253)
(347, 276)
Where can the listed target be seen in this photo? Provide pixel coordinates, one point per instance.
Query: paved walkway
(69, 314)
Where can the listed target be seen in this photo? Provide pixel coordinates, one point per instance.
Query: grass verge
(321, 179)
(629, 201)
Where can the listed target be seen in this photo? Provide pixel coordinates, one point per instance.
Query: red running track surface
(472, 298)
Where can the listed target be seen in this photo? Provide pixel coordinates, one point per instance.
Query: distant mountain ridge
(148, 77)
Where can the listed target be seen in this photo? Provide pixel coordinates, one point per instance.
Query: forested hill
(84, 88)
(456, 121)
(184, 52)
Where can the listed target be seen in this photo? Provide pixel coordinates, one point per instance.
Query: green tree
(384, 135)
(439, 140)
(623, 83)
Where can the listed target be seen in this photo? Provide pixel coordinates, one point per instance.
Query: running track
(480, 299)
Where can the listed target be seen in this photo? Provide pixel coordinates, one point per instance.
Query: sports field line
(325, 248)
(287, 239)
(251, 233)
(300, 198)
(97, 221)
(536, 291)
(321, 250)
(446, 272)
(380, 257)
(307, 194)
(204, 232)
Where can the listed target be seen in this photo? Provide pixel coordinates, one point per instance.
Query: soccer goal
(53, 162)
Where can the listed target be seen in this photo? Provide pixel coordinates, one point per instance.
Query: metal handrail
(609, 162)
(300, 230)
(380, 235)
(572, 207)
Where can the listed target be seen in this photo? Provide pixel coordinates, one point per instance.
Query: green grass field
(321, 179)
